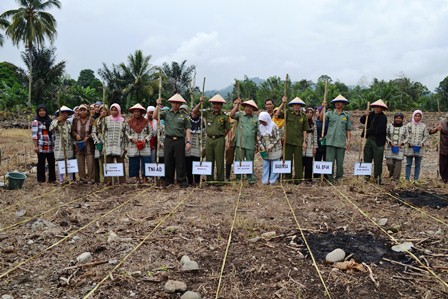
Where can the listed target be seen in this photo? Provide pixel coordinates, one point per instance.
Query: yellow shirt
(278, 121)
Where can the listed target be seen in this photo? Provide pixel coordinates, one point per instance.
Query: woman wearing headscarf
(139, 133)
(195, 152)
(442, 127)
(115, 140)
(82, 133)
(43, 144)
(270, 146)
(397, 138)
(61, 128)
(418, 134)
(153, 122)
(311, 140)
(98, 135)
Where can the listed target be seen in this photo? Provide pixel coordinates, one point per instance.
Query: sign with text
(154, 169)
(320, 167)
(363, 169)
(204, 168)
(113, 169)
(281, 166)
(243, 167)
(72, 166)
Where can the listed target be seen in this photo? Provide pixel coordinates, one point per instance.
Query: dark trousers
(189, 166)
(443, 167)
(308, 165)
(320, 156)
(174, 154)
(41, 157)
(375, 153)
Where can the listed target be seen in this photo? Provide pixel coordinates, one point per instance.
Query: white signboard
(204, 168)
(154, 169)
(72, 166)
(113, 169)
(320, 167)
(243, 167)
(363, 168)
(281, 167)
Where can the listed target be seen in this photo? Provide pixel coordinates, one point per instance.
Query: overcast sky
(347, 39)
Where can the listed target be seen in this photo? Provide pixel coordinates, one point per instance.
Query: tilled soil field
(137, 236)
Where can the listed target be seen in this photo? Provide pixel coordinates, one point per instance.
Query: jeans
(268, 176)
(418, 161)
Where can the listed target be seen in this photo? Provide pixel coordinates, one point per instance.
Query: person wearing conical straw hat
(418, 134)
(246, 133)
(230, 144)
(217, 127)
(337, 139)
(153, 123)
(442, 127)
(376, 137)
(177, 140)
(296, 127)
(139, 133)
(61, 127)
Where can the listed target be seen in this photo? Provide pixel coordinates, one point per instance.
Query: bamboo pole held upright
(200, 134)
(284, 116)
(240, 126)
(62, 139)
(363, 140)
(324, 106)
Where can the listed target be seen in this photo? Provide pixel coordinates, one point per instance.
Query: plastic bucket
(99, 146)
(15, 180)
(417, 148)
(395, 149)
(264, 154)
(140, 145)
(81, 145)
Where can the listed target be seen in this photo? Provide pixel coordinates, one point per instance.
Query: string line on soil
(327, 292)
(52, 209)
(411, 205)
(427, 268)
(138, 245)
(229, 240)
(72, 234)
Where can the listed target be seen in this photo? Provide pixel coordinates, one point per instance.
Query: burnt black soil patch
(364, 246)
(424, 199)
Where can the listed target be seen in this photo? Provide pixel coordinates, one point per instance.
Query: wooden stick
(324, 105)
(363, 140)
(200, 134)
(86, 265)
(62, 140)
(404, 265)
(241, 128)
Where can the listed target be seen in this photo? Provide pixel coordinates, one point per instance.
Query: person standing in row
(270, 147)
(153, 123)
(98, 139)
(177, 140)
(269, 107)
(217, 127)
(43, 144)
(61, 129)
(296, 127)
(376, 137)
(337, 139)
(311, 146)
(321, 149)
(230, 144)
(246, 134)
(139, 133)
(81, 132)
(197, 132)
(397, 139)
(442, 127)
(418, 134)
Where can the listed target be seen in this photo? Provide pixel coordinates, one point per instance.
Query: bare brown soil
(341, 216)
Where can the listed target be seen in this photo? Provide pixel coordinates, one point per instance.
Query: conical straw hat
(137, 107)
(297, 100)
(250, 103)
(177, 98)
(64, 109)
(217, 98)
(379, 103)
(340, 98)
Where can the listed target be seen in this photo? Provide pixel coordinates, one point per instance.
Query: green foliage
(179, 78)
(247, 90)
(12, 96)
(3, 25)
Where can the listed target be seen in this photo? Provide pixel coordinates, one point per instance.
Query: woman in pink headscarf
(115, 140)
(418, 134)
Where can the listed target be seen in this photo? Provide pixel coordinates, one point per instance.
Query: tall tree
(3, 25)
(179, 76)
(31, 24)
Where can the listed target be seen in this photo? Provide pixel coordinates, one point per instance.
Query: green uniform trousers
(294, 153)
(214, 150)
(336, 155)
(247, 155)
(375, 153)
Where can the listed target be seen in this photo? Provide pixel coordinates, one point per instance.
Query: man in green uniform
(338, 135)
(217, 126)
(177, 140)
(296, 127)
(246, 133)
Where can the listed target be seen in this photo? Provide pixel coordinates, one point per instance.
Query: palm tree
(30, 24)
(3, 25)
(179, 76)
(140, 74)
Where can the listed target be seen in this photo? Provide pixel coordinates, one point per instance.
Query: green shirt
(175, 123)
(249, 126)
(216, 124)
(296, 124)
(338, 125)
